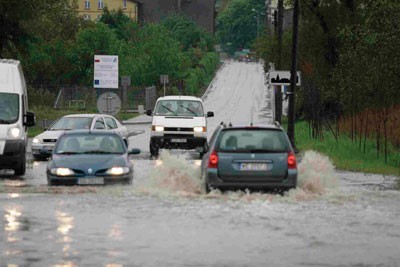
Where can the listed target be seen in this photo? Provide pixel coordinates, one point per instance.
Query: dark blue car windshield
(90, 144)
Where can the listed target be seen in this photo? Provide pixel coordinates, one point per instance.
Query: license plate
(90, 181)
(2, 145)
(177, 140)
(253, 166)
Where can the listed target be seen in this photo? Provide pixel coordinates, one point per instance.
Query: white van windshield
(190, 108)
(9, 108)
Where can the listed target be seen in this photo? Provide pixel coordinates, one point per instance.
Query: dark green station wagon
(253, 157)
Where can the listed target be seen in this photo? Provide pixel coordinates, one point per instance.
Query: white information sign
(105, 71)
(282, 78)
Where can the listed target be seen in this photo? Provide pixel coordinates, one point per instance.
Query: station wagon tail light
(157, 128)
(291, 161)
(199, 129)
(213, 160)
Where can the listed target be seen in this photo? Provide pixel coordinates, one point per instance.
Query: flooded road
(333, 218)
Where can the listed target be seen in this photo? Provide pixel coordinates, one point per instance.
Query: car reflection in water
(84, 157)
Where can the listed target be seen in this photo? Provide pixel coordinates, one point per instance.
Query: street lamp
(258, 21)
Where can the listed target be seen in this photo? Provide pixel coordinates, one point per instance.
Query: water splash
(172, 175)
(175, 176)
(316, 176)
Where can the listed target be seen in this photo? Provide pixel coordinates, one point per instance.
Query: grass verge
(346, 154)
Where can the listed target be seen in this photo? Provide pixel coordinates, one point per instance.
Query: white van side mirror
(29, 119)
(210, 114)
(149, 112)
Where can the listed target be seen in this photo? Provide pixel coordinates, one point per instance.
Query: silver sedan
(43, 144)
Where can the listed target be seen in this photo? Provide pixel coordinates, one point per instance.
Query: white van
(178, 122)
(14, 117)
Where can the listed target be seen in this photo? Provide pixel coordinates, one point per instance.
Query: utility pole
(293, 72)
(278, 89)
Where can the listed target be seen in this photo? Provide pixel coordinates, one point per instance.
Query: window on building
(124, 5)
(87, 4)
(100, 4)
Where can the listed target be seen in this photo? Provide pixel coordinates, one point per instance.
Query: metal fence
(81, 97)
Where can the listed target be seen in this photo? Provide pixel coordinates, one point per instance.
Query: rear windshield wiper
(266, 151)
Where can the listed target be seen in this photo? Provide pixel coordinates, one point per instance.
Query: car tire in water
(153, 150)
(22, 166)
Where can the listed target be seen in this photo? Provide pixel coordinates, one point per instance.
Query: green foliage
(346, 154)
(188, 33)
(237, 24)
(347, 54)
(97, 40)
(154, 53)
(61, 47)
(124, 27)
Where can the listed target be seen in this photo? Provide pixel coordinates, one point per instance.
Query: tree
(124, 27)
(188, 33)
(237, 25)
(21, 21)
(99, 40)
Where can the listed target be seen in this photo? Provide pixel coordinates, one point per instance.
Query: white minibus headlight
(199, 129)
(14, 132)
(35, 141)
(158, 128)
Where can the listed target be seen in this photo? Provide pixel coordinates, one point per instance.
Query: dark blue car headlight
(62, 171)
(117, 171)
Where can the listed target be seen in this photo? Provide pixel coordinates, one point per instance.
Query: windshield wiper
(61, 129)
(265, 151)
(97, 152)
(4, 121)
(192, 111)
(68, 153)
(167, 108)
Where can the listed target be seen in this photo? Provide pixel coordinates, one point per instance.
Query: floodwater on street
(164, 218)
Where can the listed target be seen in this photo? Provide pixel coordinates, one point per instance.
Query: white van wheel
(22, 167)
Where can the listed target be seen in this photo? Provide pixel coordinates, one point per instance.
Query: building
(202, 12)
(93, 9)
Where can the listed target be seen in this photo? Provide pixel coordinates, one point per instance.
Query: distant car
(84, 157)
(43, 144)
(241, 157)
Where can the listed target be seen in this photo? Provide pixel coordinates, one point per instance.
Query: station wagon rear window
(253, 140)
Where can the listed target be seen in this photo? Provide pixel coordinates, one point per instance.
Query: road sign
(126, 80)
(109, 103)
(282, 78)
(105, 71)
(164, 79)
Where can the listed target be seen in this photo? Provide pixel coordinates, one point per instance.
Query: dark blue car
(85, 157)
